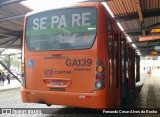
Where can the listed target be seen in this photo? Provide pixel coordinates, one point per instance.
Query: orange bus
(72, 56)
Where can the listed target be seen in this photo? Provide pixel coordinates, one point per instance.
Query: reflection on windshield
(62, 42)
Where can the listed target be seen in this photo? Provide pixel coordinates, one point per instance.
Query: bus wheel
(48, 105)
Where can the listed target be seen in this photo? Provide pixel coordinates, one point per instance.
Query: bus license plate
(57, 83)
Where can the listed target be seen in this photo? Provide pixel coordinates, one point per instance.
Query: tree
(5, 60)
(9, 61)
(15, 63)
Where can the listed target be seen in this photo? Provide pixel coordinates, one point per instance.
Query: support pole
(9, 70)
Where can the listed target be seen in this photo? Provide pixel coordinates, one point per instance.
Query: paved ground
(12, 99)
(149, 96)
(14, 84)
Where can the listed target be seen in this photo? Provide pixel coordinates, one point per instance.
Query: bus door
(131, 73)
(124, 71)
(127, 79)
(114, 55)
(113, 67)
(111, 71)
(137, 68)
(129, 69)
(117, 65)
(133, 69)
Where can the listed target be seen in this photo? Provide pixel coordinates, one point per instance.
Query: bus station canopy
(140, 20)
(11, 23)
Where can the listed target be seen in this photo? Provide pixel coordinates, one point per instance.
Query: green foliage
(15, 63)
(4, 59)
(10, 61)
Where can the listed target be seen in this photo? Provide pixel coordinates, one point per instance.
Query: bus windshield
(62, 29)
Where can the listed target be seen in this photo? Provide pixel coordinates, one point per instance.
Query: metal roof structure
(137, 17)
(11, 23)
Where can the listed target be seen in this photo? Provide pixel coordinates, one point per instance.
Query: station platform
(149, 96)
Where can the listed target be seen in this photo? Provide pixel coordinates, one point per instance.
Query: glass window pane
(63, 29)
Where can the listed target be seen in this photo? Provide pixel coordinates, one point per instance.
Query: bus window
(72, 28)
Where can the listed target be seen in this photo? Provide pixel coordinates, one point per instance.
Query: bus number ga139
(79, 62)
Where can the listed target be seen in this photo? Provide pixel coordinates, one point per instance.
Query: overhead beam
(133, 30)
(151, 13)
(148, 38)
(14, 40)
(12, 17)
(147, 44)
(140, 43)
(127, 17)
(139, 10)
(145, 52)
(17, 34)
(135, 33)
(15, 46)
(134, 16)
(5, 42)
(11, 32)
(144, 28)
(8, 2)
(146, 49)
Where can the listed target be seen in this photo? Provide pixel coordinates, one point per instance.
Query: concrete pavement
(149, 97)
(14, 84)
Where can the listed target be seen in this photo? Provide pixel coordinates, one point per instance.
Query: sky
(11, 51)
(47, 4)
